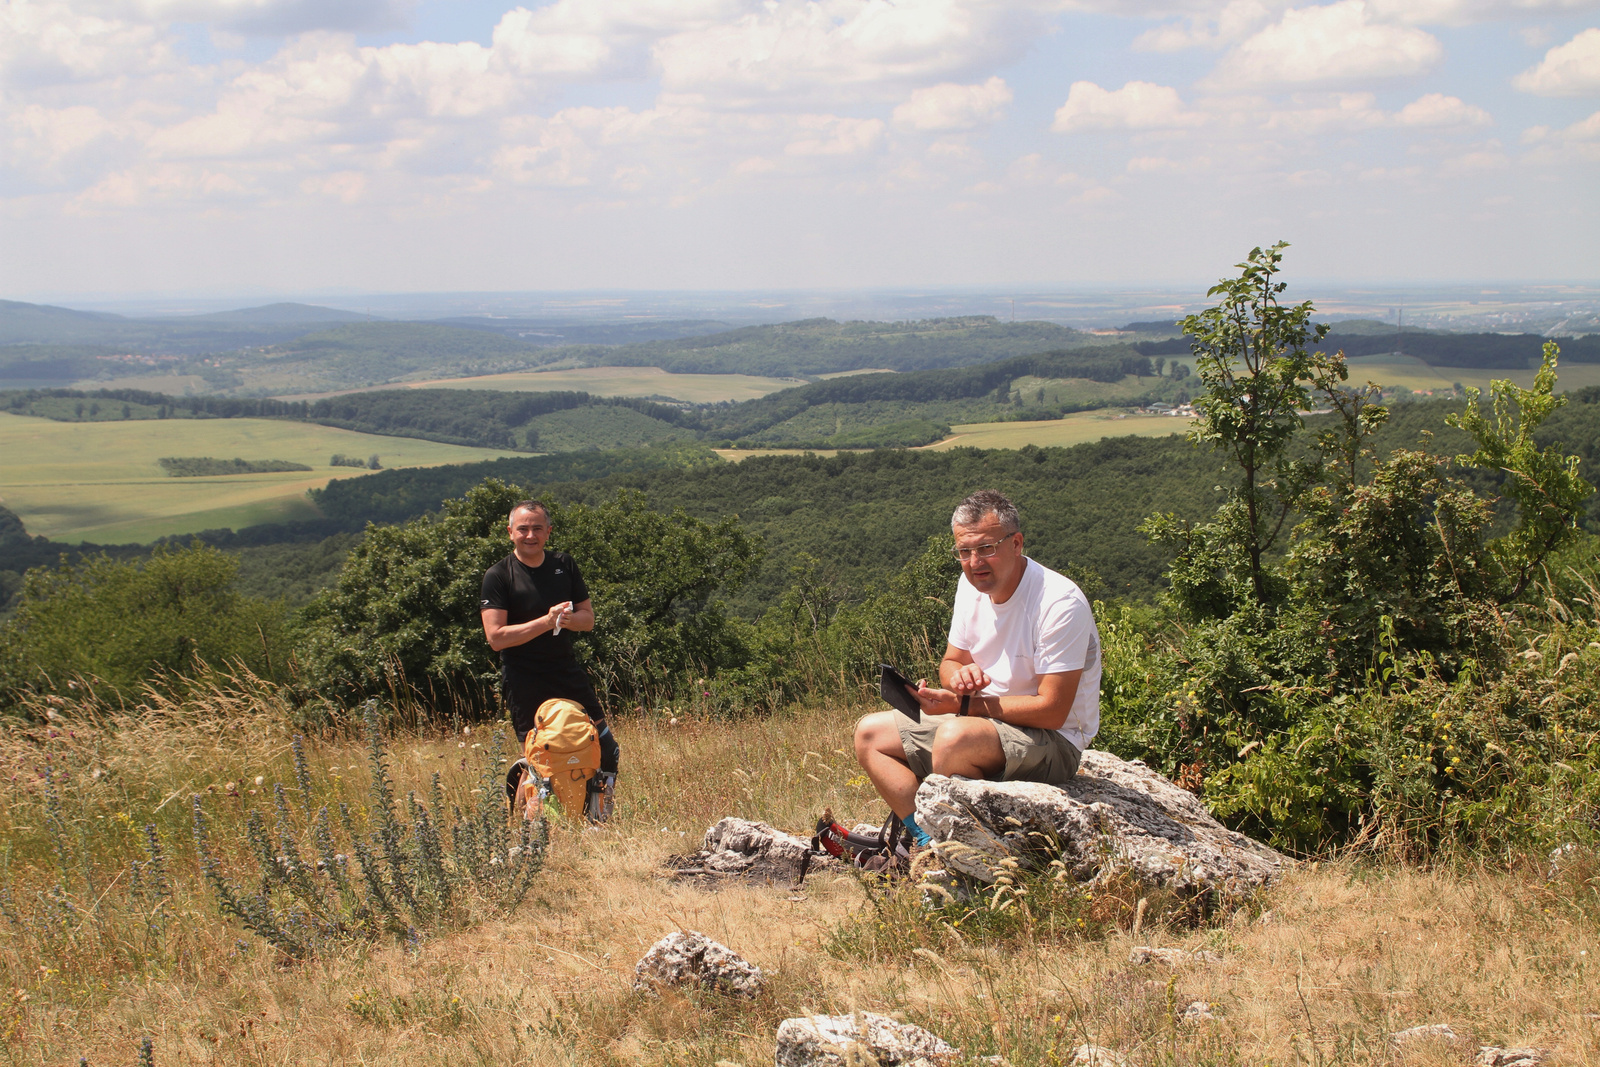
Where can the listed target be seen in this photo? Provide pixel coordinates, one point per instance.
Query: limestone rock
(1494, 1056)
(1199, 1012)
(1172, 957)
(752, 851)
(839, 1041)
(1415, 1034)
(1096, 1056)
(688, 957)
(1115, 816)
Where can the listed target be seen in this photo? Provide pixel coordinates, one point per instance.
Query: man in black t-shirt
(532, 601)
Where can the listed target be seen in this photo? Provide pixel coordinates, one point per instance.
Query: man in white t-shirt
(1020, 674)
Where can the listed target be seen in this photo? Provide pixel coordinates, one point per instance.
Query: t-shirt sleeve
(961, 616)
(1066, 634)
(496, 593)
(580, 590)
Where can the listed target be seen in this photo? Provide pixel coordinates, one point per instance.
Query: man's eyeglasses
(979, 551)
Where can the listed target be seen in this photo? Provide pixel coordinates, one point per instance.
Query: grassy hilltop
(1341, 954)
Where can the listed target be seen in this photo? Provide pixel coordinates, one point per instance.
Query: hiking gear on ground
(886, 852)
(564, 748)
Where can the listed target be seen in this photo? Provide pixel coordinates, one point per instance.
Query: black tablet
(892, 687)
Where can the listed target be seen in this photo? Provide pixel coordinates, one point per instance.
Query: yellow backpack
(564, 749)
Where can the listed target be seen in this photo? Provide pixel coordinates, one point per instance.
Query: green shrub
(123, 626)
(403, 615)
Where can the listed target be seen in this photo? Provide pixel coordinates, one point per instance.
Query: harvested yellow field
(1072, 430)
(612, 381)
(99, 481)
(1417, 376)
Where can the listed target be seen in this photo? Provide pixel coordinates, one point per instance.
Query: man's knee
(962, 743)
(878, 733)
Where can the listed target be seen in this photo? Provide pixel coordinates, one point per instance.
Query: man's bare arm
(1048, 710)
(578, 617)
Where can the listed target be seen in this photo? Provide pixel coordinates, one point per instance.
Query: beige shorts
(1032, 754)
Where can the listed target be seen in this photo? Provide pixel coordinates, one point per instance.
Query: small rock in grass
(1172, 957)
(1096, 1056)
(688, 957)
(841, 1040)
(1494, 1056)
(1199, 1012)
(1430, 1032)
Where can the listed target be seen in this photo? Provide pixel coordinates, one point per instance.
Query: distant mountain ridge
(280, 314)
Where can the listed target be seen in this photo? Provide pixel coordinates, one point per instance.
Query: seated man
(1020, 675)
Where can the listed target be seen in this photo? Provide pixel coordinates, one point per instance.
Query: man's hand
(936, 701)
(967, 679)
(558, 616)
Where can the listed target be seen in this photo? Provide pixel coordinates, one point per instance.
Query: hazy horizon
(1485, 306)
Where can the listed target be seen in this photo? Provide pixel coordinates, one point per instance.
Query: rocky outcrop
(862, 1038)
(1116, 816)
(1172, 957)
(1494, 1056)
(688, 957)
(1421, 1034)
(751, 851)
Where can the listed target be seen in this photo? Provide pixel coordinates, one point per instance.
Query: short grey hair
(973, 510)
(531, 505)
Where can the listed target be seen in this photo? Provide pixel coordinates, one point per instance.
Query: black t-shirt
(524, 593)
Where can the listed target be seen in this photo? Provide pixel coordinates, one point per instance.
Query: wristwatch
(966, 701)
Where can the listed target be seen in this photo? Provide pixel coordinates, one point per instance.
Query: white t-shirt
(1046, 627)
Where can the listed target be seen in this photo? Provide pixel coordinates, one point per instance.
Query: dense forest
(1482, 351)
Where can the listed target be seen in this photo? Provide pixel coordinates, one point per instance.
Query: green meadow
(100, 481)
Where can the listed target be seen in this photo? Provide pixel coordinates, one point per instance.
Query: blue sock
(919, 836)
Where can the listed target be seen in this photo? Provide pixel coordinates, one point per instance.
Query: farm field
(99, 481)
(610, 381)
(1072, 430)
(1417, 376)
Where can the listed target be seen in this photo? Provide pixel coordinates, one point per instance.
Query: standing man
(532, 602)
(1020, 674)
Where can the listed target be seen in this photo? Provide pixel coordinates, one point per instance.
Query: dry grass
(1320, 971)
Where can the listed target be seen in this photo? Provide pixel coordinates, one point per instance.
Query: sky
(281, 146)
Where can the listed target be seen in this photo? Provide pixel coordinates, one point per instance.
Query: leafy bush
(404, 613)
(1376, 682)
(124, 625)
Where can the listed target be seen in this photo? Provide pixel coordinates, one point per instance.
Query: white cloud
(1580, 141)
(1328, 45)
(1136, 106)
(831, 135)
(841, 50)
(1232, 23)
(1322, 113)
(1465, 12)
(949, 106)
(1439, 110)
(1571, 69)
(50, 44)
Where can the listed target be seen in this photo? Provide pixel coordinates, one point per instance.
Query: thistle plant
(406, 879)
